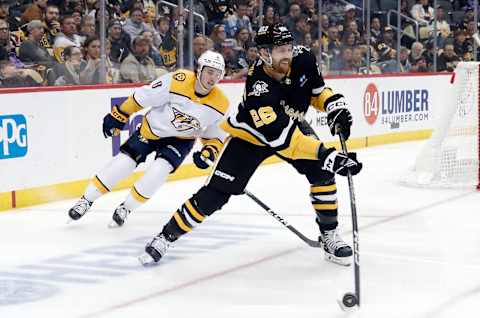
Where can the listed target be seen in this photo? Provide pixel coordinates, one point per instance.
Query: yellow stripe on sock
(325, 206)
(198, 217)
(328, 188)
(180, 222)
(137, 196)
(99, 185)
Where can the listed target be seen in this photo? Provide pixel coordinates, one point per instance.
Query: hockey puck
(348, 302)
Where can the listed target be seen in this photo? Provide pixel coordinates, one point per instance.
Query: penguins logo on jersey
(259, 87)
(183, 122)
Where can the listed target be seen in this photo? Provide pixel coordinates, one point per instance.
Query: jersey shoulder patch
(182, 83)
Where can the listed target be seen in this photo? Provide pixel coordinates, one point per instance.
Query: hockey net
(450, 158)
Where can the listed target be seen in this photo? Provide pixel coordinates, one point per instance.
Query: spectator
(422, 12)
(87, 28)
(420, 65)
(120, 42)
(301, 27)
(294, 13)
(153, 52)
(271, 17)
(77, 18)
(375, 31)
(243, 37)
(5, 15)
(69, 72)
(309, 10)
(199, 47)
(34, 11)
(163, 26)
(353, 28)
(90, 71)
(136, 25)
(52, 27)
(443, 26)
(168, 51)
(31, 50)
(416, 52)
(349, 40)
(448, 60)
(238, 20)
(217, 11)
(334, 45)
(344, 65)
(10, 76)
(6, 45)
(218, 35)
(358, 61)
(231, 58)
(405, 65)
(469, 16)
(138, 67)
(461, 46)
(349, 16)
(68, 37)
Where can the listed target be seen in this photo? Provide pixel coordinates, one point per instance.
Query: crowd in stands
(52, 42)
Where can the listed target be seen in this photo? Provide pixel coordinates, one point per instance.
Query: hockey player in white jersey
(183, 106)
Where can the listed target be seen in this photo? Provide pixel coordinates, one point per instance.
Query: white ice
(419, 253)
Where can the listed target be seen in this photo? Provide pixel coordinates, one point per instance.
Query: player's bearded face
(282, 58)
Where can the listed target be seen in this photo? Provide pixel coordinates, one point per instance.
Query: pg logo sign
(13, 136)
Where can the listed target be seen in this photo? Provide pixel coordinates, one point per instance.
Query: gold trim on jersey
(146, 130)
(99, 185)
(185, 87)
(137, 196)
(319, 101)
(130, 106)
(301, 147)
(240, 133)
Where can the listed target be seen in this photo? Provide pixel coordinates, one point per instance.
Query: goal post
(451, 157)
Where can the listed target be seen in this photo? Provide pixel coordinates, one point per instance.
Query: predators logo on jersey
(183, 122)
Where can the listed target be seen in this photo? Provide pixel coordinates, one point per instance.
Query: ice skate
(119, 216)
(155, 250)
(336, 250)
(79, 209)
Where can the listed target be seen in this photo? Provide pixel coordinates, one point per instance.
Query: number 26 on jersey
(264, 116)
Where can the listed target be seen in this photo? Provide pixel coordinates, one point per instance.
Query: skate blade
(69, 220)
(344, 261)
(113, 225)
(145, 259)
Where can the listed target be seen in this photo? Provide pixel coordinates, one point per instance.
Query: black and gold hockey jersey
(270, 110)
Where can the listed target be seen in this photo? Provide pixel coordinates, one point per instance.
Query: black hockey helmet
(269, 36)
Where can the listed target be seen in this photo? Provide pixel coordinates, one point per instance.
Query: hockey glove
(201, 158)
(339, 163)
(338, 114)
(114, 120)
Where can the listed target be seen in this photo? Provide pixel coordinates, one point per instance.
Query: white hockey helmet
(211, 59)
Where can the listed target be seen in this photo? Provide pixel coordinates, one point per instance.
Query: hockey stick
(309, 242)
(280, 219)
(350, 300)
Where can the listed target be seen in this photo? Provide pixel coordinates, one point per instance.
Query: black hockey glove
(201, 158)
(114, 120)
(339, 163)
(338, 114)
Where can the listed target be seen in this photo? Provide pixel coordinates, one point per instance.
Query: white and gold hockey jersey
(177, 111)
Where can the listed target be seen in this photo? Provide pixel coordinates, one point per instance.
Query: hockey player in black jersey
(279, 88)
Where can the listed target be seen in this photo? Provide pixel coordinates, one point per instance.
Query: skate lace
(160, 244)
(333, 240)
(82, 206)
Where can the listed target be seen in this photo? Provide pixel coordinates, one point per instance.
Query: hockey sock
(144, 188)
(120, 167)
(324, 201)
(183, 220)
